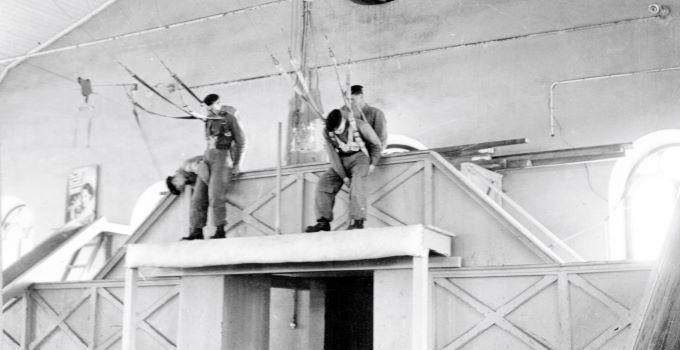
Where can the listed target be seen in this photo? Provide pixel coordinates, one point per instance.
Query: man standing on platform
(354, 151)
(372, 115)
(226, 144)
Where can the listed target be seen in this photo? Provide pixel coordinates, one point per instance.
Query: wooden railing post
(129, 309)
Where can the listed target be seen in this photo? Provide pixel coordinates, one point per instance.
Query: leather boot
(219, 233)
(321, 225)
(195, 233)
(356, 225)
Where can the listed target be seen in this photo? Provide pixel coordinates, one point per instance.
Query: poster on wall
(81, 194)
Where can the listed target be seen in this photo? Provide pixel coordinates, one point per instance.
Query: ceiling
(25, 24)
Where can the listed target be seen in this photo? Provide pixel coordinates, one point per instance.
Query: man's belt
(347, 154)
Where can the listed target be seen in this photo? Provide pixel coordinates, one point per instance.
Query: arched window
(643, 190)
(16, 225)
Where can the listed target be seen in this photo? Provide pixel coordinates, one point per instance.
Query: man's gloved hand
(235, 170)
(346, 181)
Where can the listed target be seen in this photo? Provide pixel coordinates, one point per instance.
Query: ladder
(102, 242)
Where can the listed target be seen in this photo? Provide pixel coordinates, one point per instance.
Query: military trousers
(214, 193)
(356, 167)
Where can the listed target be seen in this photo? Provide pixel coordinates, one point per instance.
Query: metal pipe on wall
(551, 102)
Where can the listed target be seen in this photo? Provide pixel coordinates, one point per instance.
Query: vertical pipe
(278, 179)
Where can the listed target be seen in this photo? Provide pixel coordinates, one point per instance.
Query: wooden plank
(608, 334)
(533, 221)
(503, 164)
(93, 318)
(428, 196)
(139, 232)
(58, 320)
(420, 302)
(156, 335)
(522, 233)
(605, 299)
(455, 150)
(497, 316)
(246, 313)
(569, 152)
(392, 309)
(327, 268)
(156, 281)
(246, 214)
(555, 157)
(317, 315)
(538, 270)
(29, 320)
(160, 338)
(129, 307)
(564, 311)
(201, 298)
(300, 196)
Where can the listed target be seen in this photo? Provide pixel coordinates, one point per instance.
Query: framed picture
(81, 194)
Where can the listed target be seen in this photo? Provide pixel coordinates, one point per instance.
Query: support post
(317, 315)
(277, 225)
(129, 306)
(428, 197)
(246, 323)
(28, 321)
(420, 296)
(563, 302)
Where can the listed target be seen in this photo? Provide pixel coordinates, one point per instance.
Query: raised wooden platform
(370, 243)
(245, 298)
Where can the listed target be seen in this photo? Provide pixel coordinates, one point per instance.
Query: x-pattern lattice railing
(499, 316)
(392, 173)
(246, 214)
(57, 320)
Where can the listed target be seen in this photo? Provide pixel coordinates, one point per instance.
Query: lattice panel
(90, 318)
(251, 203)
(540, 311)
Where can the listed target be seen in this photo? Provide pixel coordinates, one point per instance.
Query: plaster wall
(436, 67)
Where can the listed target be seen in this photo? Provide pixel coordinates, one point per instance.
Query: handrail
(502, 212)
(534, 221)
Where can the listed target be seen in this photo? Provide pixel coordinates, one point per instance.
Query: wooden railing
(528, 221)
(411, 188)
(567, 307)
(88, 315)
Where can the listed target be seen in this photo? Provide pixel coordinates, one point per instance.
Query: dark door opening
(349, 313)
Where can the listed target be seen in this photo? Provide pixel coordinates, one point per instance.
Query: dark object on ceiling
(371, 2)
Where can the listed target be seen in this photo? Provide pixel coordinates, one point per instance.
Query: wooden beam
(420, 315)
(129, 309)
(466, 149)
(555, 157)
(317, 314)
(660, 327)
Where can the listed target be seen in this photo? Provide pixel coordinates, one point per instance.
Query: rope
(176, 77)
(304, 92)
(353, 130)
(145, 139)
(141, 81)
